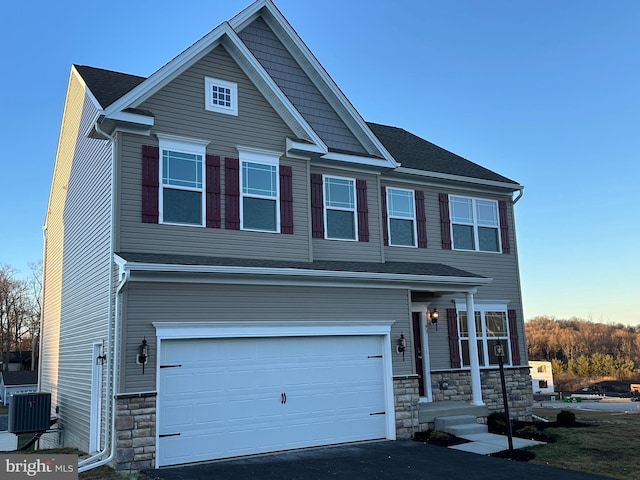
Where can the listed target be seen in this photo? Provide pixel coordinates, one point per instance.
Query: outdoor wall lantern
(143, 353)
(402, 345)
(100, 359)
(433, 317)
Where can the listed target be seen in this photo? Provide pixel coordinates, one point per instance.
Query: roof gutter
(298, 275)
(458, 178)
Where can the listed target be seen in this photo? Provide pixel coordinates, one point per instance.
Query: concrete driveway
(384, 460)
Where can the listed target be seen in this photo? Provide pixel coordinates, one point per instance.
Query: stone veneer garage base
(136, 414)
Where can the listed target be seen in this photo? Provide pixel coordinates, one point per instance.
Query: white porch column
(476, 389)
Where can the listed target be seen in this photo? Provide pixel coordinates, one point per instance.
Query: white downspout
(112, 335)
(89, 463)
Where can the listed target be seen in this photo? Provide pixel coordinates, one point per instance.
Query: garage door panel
(227, 397)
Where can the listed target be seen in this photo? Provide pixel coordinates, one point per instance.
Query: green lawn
(608, 445)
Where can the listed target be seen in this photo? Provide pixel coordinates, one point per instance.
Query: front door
(417, 351)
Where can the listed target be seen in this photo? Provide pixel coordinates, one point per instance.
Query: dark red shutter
(150, 183)
(363, 210)
(385, 216)
(504, 226)
(232, 193)
(213, 191)
(454, 346)
(286, 199)
(445, 222)
(513, 337)
(317, 206)
(421, 219)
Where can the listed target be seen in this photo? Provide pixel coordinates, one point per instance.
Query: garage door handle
(283, 398)
(163, 435)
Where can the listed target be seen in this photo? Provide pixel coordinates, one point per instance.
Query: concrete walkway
(488, 443)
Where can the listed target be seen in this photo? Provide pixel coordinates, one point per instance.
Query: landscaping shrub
(497, 421)
(566, 417)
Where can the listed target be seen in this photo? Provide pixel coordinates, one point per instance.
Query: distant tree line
(19, 312)
(582, 348)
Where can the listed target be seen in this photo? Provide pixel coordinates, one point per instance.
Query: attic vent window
(221, 96)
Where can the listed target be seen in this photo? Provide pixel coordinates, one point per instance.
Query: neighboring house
(18, 360)
(13, 382)
(246, 265)
(541, 377)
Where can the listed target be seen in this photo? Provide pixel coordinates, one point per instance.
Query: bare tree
(19, 312)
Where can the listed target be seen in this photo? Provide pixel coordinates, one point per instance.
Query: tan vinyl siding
(179, 110)
(79, 227)
(167, 302)
(502, 268)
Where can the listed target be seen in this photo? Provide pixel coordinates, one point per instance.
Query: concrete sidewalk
(383, 460)
(488, 443)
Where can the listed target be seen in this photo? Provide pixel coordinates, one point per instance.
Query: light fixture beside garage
(402, 345)
(143, 353)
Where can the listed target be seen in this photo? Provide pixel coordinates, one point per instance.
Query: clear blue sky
(545, 92)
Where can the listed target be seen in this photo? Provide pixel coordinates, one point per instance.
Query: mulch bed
(439, 439)
(521, 429)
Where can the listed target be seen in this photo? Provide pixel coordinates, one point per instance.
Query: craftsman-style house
(237, 263)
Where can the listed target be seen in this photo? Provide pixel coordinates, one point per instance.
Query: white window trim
(495, 306)
(264, 157)
(390, 217)
(208, 83)
(474, 224)
(354, 209)
(194, 146)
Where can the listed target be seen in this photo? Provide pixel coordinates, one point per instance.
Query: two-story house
(237, 263)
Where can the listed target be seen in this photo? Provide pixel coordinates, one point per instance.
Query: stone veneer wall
(517, 380)
(135, 432)
(406, 397)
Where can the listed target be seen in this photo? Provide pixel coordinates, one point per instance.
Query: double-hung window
(492, 328)
(182, 198)
(259, 189)
(474, 224)
(340, 208)
(401, 217)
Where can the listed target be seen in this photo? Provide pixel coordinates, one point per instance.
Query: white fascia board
(235, 329)
(287, 275)
(459, 178)
(343, 157)
(359, 127)
(169, 71)
(87, 92)
(132, 118)
(298, 148)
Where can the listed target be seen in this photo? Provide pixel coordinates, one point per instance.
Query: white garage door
(222, 398)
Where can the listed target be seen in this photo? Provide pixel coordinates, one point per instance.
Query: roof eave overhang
(513, 187)
(103, 126)
(155, 272)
